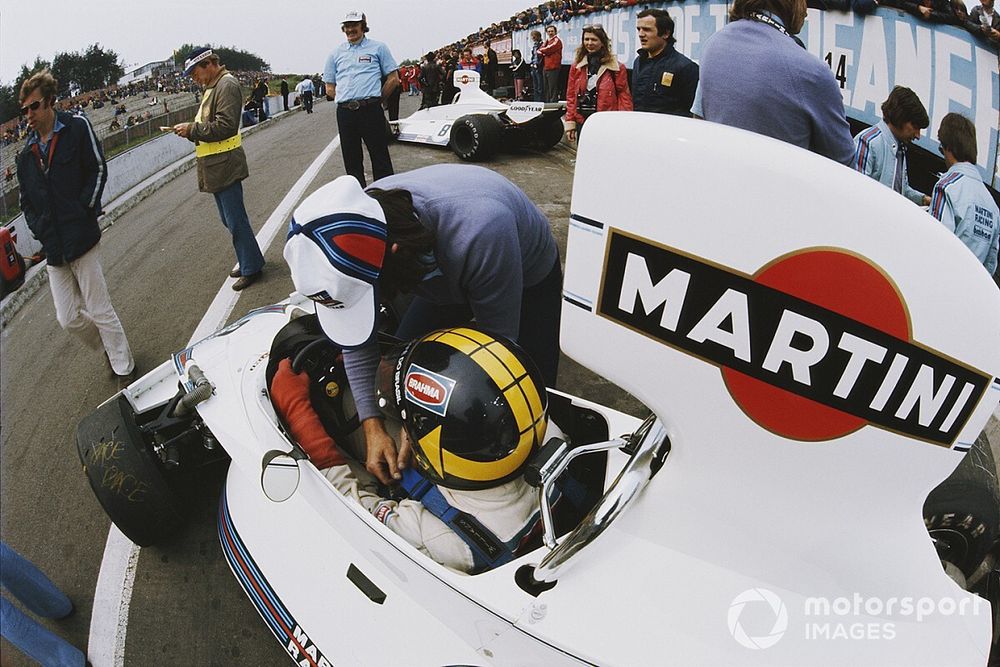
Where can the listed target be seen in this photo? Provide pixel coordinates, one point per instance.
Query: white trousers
(83, 308)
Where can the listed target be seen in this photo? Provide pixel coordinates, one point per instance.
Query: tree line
(96, 67)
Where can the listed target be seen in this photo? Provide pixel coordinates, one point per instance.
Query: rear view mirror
(280, 476)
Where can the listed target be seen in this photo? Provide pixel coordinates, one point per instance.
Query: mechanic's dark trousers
(431, 98)
(307, 101)
(392, 104)
(284, 101)
(367, 123)
(541, 306)
(537, 85)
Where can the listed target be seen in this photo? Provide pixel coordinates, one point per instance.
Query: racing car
(809, 382)
(475, 125)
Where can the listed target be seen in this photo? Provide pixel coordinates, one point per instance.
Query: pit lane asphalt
(164, 261)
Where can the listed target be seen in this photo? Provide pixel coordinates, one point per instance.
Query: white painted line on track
(113, 594)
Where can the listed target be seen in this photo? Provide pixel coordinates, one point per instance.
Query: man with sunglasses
(222, 164)
(62, 173)
(361, 74)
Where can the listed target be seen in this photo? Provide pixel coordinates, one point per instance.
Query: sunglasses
(31, 107)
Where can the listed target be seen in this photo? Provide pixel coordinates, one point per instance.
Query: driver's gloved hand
(290, 396)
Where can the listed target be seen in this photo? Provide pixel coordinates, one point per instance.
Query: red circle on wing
(837, 281)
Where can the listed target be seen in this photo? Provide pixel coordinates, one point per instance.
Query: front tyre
(476, 137)
(963, 513)
(125, 475)
(551, 132)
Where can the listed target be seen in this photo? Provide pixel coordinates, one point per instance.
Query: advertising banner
(948, 68)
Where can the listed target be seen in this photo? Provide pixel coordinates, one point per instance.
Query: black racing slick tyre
(476, 137)
(962, 514)
(125, 475)
(551, 132)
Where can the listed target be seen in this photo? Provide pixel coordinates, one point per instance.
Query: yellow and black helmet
(473, 405)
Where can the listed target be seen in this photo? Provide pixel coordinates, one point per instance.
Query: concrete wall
(125, 171)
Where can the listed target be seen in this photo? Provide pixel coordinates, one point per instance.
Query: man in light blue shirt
(880, 151)
(960, 199)
(354, 75)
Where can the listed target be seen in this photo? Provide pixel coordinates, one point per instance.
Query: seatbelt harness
(488, 551)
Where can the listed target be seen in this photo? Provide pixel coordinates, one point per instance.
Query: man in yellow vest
(222, 164)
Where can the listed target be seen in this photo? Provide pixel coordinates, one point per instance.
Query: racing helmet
(473, 405)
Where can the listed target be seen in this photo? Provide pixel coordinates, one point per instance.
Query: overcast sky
(293, 36)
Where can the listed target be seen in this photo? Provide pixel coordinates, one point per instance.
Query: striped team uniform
(964, 205)
(875, 156)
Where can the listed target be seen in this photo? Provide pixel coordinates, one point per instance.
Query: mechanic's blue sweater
(491, 243)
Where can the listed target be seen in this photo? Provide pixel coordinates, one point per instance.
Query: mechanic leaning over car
(465, 241)
(473, 423)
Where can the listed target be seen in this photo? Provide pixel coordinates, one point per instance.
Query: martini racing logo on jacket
(428, 389)
(814, 346)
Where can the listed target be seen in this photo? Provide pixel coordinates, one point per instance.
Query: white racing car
(475, 125)
(811, 378)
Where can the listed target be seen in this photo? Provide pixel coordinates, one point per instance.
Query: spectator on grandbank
(284, 93)
(62, 172)
(404, 80)
(551, 50)
(537, 67)
(40, 596)
(304, 89)
(935, 11)
(663, 79)
(468, 62)
(357, 68)
(755, 76)
(489, 68)
(984, 21)
(431, 75)
(259, 96)
(597, 82)
(960, 199)
(880, 151)
(221, 162)
(519, 72)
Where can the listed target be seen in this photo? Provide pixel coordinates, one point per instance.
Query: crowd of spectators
(981, 20)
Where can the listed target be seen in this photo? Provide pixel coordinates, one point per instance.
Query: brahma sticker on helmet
(428, 389)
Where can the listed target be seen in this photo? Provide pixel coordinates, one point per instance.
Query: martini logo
(428, 389)
(464, 79)
(814, 346)
(323, 298)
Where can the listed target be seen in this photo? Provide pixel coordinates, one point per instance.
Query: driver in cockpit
(473, 407)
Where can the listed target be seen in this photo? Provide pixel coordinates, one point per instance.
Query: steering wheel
(322, 361)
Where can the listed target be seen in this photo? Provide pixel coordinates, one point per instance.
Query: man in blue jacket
(960, 199)
(880, 151)
(62, 173)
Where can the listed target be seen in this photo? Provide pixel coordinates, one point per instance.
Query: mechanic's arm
(382, 458)
(391, 84)
(331, 90)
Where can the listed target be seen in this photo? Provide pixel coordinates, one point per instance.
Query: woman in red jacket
(597, 81)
